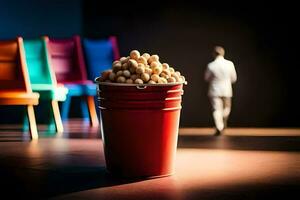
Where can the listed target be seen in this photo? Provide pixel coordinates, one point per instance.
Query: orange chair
(15, 86)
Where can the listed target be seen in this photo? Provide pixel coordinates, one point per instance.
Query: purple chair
(67, 60)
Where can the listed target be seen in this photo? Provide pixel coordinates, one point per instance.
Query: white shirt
(220, 74)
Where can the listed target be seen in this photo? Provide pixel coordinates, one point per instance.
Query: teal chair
(43, 79)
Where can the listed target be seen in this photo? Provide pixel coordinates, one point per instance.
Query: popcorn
(126, 73)
(124, 60)
(133, 77)
(121, 79)
(152, 82)
(142, 60)
(132, 63)
(132, 70)
(117, 66)
(138, 81)
(119, 73)
(171, 80)
(112, 76)
(145, 77)
(154, 64)
(148, 70)
(134, 54)
(182, 78)
(164, 75)
(153, 58)
(130, 81)
(141, 65)
(175, 76)
(105, 75)
(165, 66)
(157, 70)
(115, 62)
(146, 55)
(167, 72)
(155, 78)
(141, 69)
(125, 66)
(162, 80)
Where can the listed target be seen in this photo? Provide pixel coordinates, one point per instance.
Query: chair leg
(84, 108)
(50, 117)
(57, 117)
(32, 122)
(25, 121)
(65, 107)
(92, 111)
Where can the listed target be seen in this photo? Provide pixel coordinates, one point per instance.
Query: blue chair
(100, 54)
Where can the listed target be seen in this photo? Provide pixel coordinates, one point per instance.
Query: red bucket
(140, 127)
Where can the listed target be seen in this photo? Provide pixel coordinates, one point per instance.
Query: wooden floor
(242, 164)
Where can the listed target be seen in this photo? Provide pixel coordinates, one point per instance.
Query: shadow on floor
(264, 143)
(39, 184)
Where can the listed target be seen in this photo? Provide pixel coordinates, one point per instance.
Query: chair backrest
(100, 54)
(40, 71)
(114, 42)
(67, 59)
(13, 69)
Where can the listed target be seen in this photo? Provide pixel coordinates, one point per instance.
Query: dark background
(260, 38)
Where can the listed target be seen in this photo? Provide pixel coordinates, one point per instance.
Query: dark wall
(35, 18)
(258, 38)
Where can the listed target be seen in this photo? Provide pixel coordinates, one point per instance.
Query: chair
(43, 80)
(15, 88)
(68, 63)
(100, 54)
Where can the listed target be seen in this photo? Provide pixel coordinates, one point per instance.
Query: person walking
(220, 74)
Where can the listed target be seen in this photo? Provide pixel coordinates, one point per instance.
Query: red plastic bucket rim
(139, 86)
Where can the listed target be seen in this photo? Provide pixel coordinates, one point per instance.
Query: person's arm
(207, 74)
(233, 75)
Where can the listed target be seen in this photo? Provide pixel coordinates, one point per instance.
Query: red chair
(15, 88)
(68, 63)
